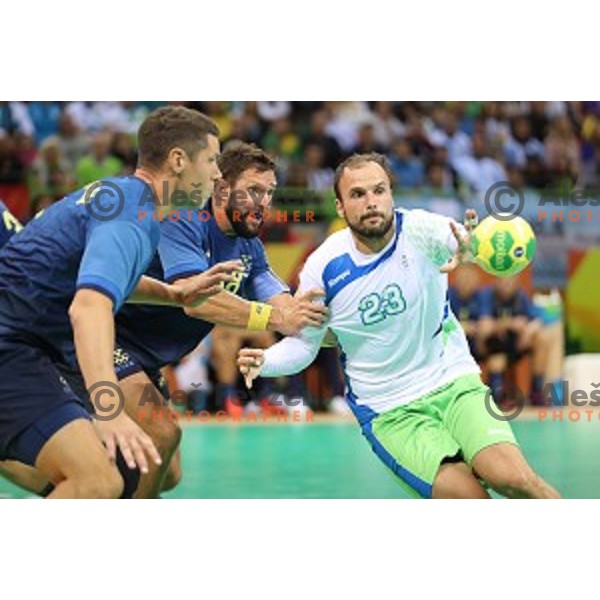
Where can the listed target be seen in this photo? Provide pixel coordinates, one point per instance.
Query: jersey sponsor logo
(339, 278)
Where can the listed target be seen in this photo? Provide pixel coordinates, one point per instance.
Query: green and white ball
(503, 248)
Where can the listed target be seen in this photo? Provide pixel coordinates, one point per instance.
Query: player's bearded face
(372, 224)
(248, 201)
(367, 204)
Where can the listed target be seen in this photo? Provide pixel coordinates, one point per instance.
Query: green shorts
(414, 439)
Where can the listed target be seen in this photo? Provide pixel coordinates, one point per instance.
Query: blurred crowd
(441, 148)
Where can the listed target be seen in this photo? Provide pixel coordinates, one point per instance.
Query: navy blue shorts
(125, 364)
(35, 400)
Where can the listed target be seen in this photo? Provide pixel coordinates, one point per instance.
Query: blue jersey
(520, 305)
(465, 309)
(160, 335)
(65, 248)
(9, 225)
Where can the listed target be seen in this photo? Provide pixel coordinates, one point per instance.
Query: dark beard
(371, 233)
(239, 225)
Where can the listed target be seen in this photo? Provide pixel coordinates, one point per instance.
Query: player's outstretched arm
(91, 315)
(283, 313)
(289, 356)
(190, 292)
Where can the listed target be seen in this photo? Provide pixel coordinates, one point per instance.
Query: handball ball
(503, 248)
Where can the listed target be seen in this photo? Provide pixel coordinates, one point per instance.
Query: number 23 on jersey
(375, 307)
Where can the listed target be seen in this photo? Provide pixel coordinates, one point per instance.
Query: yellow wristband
(259, 316)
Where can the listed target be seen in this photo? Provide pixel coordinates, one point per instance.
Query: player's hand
(303, 310)
(121, 432)
(250, 362)
(193, 291)
(464, 252)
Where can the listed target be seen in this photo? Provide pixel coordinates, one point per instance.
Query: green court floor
(331, 460)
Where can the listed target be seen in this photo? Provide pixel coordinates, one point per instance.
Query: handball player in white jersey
(411, 381)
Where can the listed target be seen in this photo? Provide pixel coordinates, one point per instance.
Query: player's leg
(77, 464)
(43, 424)
(413, 443)
(29, 478)
(226, 343)
(531, 340)
(554, 342)
(504, 468)
(485, 437)
(174, 474)
(146, 405)
(455, 480)
(496, 364)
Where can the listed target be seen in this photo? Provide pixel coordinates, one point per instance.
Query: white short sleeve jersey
(390, 312)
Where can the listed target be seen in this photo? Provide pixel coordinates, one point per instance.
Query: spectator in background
(521, 145)
(282, 141)
(466, 303)
(274, 110)
(51, 174)
(438, 181)
(510, 329)
(479, 171)
(346, 118)
(536, 172)
(494, 123)
(45, 118)
(589, 178)
(114, 116)
(319, 176)
(562, 146)
(408, 169)
(73, 142)
(387, 127)
(220, 113)
(451, 137)
(12, 169)
(536, 115)
(14, 117)
(122, 149)
(332, 153)
(25, 148)
(99, 163)
(366, 142)
(245, 127)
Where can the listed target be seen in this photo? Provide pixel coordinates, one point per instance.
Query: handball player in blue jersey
(62, 278)
(150, 337)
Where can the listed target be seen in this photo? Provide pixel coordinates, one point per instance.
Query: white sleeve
(432, 235)
(293, 354)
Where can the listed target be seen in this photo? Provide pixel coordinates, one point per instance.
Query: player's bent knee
(173, 476)
(165, 434)
(168, 436)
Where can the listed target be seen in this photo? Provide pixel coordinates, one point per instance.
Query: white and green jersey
(390, 313)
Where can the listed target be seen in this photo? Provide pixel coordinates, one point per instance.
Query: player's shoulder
(419, 217)
(336, 245)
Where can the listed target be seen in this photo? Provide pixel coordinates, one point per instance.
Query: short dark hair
(173, 127)
(240, 156)
(358, 160)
